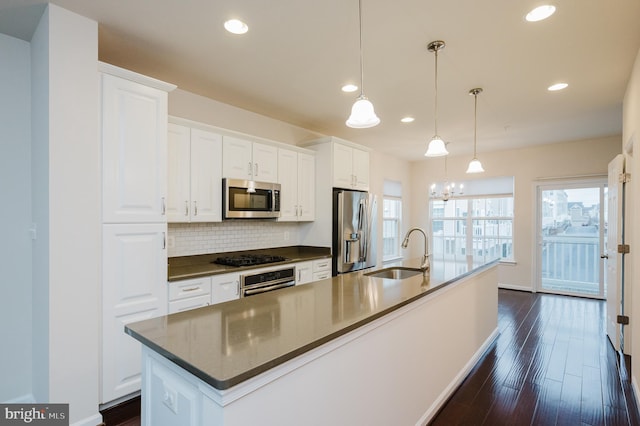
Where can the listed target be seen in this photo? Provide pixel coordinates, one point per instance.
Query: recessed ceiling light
(407, 119)
(349, 88)
(235, 26)
(557, 86)
(540, 13)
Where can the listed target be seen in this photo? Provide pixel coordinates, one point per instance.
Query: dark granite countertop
(228, 343)
(184, 267)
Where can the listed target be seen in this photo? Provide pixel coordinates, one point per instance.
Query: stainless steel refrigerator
(354, 230)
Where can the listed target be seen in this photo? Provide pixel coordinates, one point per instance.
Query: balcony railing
(571, 264)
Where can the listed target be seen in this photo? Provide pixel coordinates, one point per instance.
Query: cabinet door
(342, 166)
(236, 158)
(306, 186)
(133, 289)
(265, 163)
(304, 272)
(361, 169)
(225, 287)
(179, 173)
(134, 151)
(206, 176)
(288, 179)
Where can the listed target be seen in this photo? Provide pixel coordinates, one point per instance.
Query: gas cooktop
(248, 259)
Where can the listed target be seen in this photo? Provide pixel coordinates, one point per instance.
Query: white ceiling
(298, 53)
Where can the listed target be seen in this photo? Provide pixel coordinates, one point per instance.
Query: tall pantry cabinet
(134, 221)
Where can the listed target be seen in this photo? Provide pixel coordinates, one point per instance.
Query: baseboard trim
(515, 287)
(121, 412)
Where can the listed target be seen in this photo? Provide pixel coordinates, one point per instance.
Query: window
(391, 223)
(479, 226)
(391, 220)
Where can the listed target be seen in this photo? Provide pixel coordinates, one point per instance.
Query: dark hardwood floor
(552, 364)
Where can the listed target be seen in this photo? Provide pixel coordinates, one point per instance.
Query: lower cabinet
(198, 292)
(321, 269)
(133, 289)
(304, 272)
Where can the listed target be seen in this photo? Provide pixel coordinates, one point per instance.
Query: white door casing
(613, 259)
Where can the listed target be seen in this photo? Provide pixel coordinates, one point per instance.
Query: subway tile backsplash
(187, 239)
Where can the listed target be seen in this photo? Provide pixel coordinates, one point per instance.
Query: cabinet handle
(195, 208)
(164, 240)
(186, 208)
(237, 287)
(190, 289)
(255, 166)
(249, 169)
(163, 207)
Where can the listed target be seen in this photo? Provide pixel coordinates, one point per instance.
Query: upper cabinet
(195, 175)
(350, 167)
(134, 144)
(243, 159)
(296, 175)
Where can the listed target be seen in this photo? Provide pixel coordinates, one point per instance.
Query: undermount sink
(395, 273)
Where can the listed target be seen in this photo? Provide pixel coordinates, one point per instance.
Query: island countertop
(228, 343)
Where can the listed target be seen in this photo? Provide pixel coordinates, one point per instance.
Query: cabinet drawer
(190, 303)
(189, 288)
(322, 275)
(322, 265)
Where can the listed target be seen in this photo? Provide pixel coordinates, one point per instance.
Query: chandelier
(445, 190)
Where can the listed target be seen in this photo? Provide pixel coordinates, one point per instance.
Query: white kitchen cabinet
(304, 272)
(189, 294)
(296, 175)
(195, 175)
(225, 287)
(134, 151)
(243, 159)
(134, 281)
(321, 269)
(350, 167)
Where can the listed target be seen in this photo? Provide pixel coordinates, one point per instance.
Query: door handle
(604, 256)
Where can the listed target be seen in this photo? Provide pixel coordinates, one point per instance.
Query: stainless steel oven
(262, 282)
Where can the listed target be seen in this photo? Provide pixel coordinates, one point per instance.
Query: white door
(613, 259)
(288, 179)
(236, 158)
(206, 176)
(342, 166)
(134, 288)
(361, 169)
(306, 186)
(265, 163)
(179, 173)
(134, 150)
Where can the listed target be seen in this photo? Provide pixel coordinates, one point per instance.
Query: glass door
(571, 235)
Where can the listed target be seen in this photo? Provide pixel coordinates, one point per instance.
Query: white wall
(66, 209)
(528, 166)
(630, 135)
(15, 190)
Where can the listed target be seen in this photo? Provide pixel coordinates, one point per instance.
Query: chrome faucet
(424, 267)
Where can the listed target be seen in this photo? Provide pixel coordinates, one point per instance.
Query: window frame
(398, 220)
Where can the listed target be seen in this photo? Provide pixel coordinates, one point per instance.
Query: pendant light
(475, 166)
(362, 114)
(437, 146)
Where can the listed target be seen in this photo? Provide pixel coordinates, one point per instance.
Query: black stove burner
(248, 259)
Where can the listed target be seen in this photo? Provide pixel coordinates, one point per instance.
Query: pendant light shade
(437, 147)
(362, 114)
(475, 166)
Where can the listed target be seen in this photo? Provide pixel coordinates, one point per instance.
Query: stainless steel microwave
(247, 199)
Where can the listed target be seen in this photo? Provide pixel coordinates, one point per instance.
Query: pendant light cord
(436, 97)
(475, 123)
(361, 56)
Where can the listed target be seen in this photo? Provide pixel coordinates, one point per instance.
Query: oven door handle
(251, 291)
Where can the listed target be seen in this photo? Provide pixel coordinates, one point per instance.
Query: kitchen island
(352, 349)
